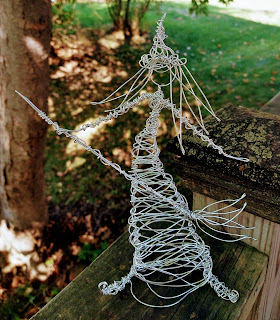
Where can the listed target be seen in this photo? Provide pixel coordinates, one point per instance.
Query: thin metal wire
(162, 229)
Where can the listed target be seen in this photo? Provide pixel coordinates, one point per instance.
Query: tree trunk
(25, 34)
(115, 8)
(127, 29)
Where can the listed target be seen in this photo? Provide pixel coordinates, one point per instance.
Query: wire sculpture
(168, 250)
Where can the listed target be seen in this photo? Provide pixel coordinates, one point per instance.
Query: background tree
(25, 34)
(201, 6)
(127, 15)
(63, 14)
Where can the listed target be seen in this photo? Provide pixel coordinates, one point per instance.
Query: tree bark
(127, 23)
(25, 34)
(115, 8)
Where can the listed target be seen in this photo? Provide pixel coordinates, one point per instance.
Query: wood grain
(267, 234)
(263, 232)
(238, 265)
(270, 301)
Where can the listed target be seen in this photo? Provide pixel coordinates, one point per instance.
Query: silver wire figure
(161, 226)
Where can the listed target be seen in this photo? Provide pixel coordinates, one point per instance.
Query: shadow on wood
(238, 265)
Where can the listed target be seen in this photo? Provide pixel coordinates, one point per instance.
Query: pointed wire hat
(160, 57)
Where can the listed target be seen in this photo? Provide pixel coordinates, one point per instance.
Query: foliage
(201, 6)
(26, 300)
(89, 253)
(127, 15)
(64, 15)
(234, 60)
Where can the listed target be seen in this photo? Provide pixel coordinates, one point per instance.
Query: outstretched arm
(114, 113)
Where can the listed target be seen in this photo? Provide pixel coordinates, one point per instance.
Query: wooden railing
(255, 135)
(211, 177)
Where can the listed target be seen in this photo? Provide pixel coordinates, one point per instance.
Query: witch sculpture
(162, 229)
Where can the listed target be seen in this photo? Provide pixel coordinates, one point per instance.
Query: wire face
(168, 250)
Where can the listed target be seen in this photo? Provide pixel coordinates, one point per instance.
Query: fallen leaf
(15, 282)
(32, 311)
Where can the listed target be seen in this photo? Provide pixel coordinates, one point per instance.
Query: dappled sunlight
(102, 75)
(2, 34)
(72, 46)
(77, 111)
(112, 41)
(35, 47)
(18, 250)
(19, 241)
(51, 107)
(80, 63)
(70, 67)
(67, 52)
(115, 39)
(122, 156)
(87, 135)
(76, 163)
(34, 268)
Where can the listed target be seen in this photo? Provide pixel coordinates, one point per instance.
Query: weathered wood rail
(255, 135)
(254, 273)
(240, 266)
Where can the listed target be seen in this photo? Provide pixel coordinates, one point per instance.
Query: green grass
(235, 60)
(93, 15)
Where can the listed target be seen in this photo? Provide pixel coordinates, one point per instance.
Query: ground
(233, 59)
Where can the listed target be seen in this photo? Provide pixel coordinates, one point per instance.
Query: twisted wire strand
(223, 291)
(177, 245)
(168, 250)
(116, 286)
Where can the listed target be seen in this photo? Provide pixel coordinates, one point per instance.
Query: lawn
(235, 60)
